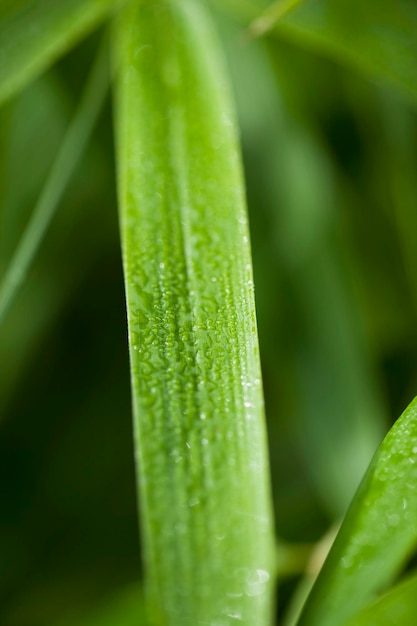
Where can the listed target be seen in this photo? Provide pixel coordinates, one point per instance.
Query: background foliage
(330, 160)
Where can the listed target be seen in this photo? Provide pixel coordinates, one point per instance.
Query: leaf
(378, 36)
(198, 408)
(34, 33)
(378, 534)
(397, 606)
(67, 159)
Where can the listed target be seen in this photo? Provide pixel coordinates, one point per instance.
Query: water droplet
(193, 502)
(237, 616)
(204, 442)
(202, 416)
(255, 582)
(263, 575)
(394, 519)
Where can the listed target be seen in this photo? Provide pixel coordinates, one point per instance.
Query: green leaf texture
(34, 33)
(198, 407)
(378, 534)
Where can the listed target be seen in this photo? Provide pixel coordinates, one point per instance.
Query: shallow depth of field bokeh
(330, 160)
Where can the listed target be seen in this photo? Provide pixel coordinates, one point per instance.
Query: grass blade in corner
(397, 606)
(377, 36)
(378, 534)
(34, 33)
(198, 408)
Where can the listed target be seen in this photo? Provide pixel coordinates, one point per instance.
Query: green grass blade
(23, 122)
(71, 150)
(378, 36)
(378, 534)
(198, 408)
(34, 33)
(397, 606)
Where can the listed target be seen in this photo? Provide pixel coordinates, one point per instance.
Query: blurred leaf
(198, 406)
(34, 33)
(317, 557)
(396, 607)
(378, 36)
(71, 150)
(270, 16)
(22, 123)
(43, 103)
(57, 271)
(378, 534)
(397, 161)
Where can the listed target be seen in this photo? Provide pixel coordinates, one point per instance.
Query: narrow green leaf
(397, 607)
(378, 534)
(34, 33)
(23, 121)
(41, 301)
(67, 159)
(198, 408)
(378, 36)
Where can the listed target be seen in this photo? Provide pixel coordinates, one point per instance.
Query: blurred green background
(330, 160)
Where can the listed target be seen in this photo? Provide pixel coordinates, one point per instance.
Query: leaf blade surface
(198, 408)
(378, 534)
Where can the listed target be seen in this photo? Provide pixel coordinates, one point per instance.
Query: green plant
(210, 554)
